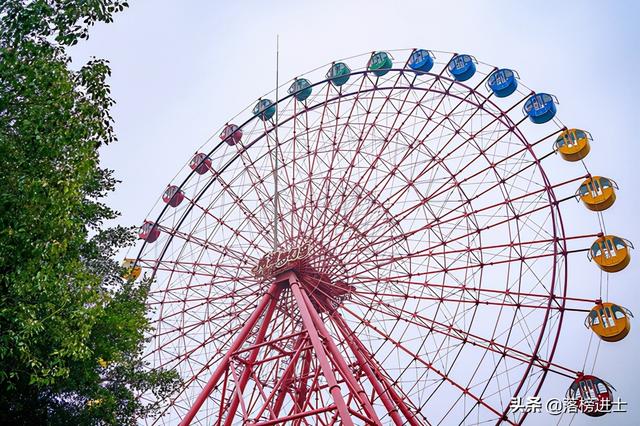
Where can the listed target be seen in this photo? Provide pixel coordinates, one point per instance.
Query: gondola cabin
(265, 109)
(339, 74)
(380, 63)
(462, 67)
(592, 395)
(130, 272)
(540, 108)
(597, 193)
(503, 82)
(421, 60)
(94, 402)
(149, 232)
(300, 89)
(200, 163)
(173, 196)
(231, 134)
(611, 253)
(573, 144)
(609, 321)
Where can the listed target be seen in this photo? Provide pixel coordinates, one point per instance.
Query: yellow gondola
(597, 193)
(610, 253)
(573, 144)
(130, 272)
(94, 402)
(609, 321)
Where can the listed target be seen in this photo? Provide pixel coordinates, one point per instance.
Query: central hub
(280, 261)
(318, 271)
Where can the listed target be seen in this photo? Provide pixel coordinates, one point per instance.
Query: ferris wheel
(380, 241)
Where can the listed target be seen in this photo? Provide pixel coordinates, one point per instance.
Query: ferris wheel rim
(553, 208)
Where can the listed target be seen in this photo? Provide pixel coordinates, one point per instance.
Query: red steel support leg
(231, 412)
(301, 401)
(286, 380)
(388, 404)
(327, 371)
(358, 350)
(222, 367)
(359, 394)
(280, 388)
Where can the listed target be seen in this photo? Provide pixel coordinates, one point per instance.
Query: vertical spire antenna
(276, 165)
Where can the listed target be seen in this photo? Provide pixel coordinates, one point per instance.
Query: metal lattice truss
(435, 285)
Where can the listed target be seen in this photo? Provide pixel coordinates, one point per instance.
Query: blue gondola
(421, 60)
(265, 109)
(462, 67)
(540, 107)
(503, 82)
(339, 73)
(300, 89)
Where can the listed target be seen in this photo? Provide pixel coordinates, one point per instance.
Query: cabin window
(500, 77)
(619, 243)
(618, 313)
(606, 183)
(537, 102)
(602, 388)
(583, 190)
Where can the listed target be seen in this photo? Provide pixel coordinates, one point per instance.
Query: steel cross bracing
(441, 216)
(322, 384)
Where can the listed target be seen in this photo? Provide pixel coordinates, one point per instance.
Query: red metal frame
(353, 402)
(454, 205)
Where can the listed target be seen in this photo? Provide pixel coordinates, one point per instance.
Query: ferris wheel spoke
(308, 197)
(183, 331)
(459, 334)
(225, 312)
(260, 230)
(250, 216)
(533, 246)
(200, 270)
(442, 190)
(343, 179)
(440, 349)
(434, 266)
(497, 302)
(204, 243)
(428, 365)
(361, 139)
(386, 141)
(425, 200)
(393, 240)
(378, 377)
(279, 157)
(466, 337)
(337, 142)
(469, 266)
(514, 296)
(430, 164)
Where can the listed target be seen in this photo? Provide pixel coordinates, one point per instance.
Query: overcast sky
(181, 69)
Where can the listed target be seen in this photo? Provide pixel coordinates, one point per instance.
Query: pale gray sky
(181, 69)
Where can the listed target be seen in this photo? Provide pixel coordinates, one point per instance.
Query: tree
(71, 329)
